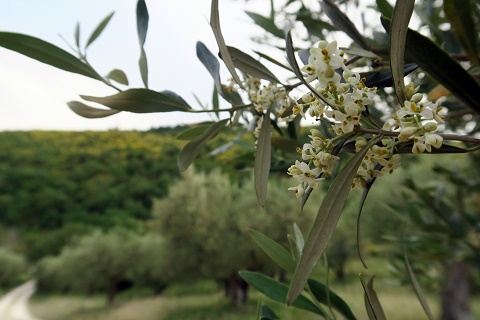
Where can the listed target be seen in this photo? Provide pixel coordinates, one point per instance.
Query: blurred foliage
(56, 185)
(12, 267)
(205, 217)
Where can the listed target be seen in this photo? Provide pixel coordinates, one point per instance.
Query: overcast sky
(34, 95)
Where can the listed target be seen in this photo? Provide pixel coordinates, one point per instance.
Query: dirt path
(14, 305)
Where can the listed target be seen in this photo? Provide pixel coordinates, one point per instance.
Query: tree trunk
(112, 292)
(236, 290)
(340, 273)
(455, 295)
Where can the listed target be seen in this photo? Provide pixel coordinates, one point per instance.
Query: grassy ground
(399, 303)
(202, 301)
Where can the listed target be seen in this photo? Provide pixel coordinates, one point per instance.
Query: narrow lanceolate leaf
(47, 53)
(213, 66)
(142, 28)
(461, 19)
(275, 251)
(192, 133)
(277, 291)
(77, 35)
(342, 22)
(443, 68)
(89, 112)
(417, 287)
(383, 78)
(268, 314)
(324, 295)
(263, 160)
(118, 76)
(359, 52)
(399, 25)
(293, 63)
(250, 66)
(299, 240)
(372, 304)
(385, 8)
(99, 29)
(325, 222)
(362, 202)
(142, 101)
(215, 24)
(193, 148)
(143, 66)
(266, 24)
(142, 21)
(268, 58)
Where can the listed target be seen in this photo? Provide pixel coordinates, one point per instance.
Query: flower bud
(417, 97)
(410, 90)
(360, 142)
(430, 126)
(329, 73)
(406, 133)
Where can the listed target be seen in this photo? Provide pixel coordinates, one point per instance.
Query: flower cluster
(339, 99)
(418, 121)
(377, 161)
(264, 96)
(318, 153)
(342, 99)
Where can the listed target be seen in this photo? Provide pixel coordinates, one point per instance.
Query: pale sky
(34, 95)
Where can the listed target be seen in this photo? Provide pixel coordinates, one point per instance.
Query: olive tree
(13, 265)
(205, 219)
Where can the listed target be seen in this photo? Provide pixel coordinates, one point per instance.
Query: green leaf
(268, 58)
(399, 25)
(275, 251)
(193, 148)
(315, 27)
(192, 133)
(143, 65)
(215, 102)
(250, 66)
(342, 22)
(277, 291)
(142, 28)
(362, 202)
(142, 21)
(359, 52)
(417, 287)
(142, 101)
(299, 240)
(99, 29)
(89, 112)
(460, 17)
(215, 24)
(293, 63)
(77, 35)
(268, 314)
(372, 304)
(47, 53)
(325, 222)
(263, 160)
(443, 68)
(118, 76)
(385, 8)
(383, 78)
(325, 295)
(266, 24)
(213, 67)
